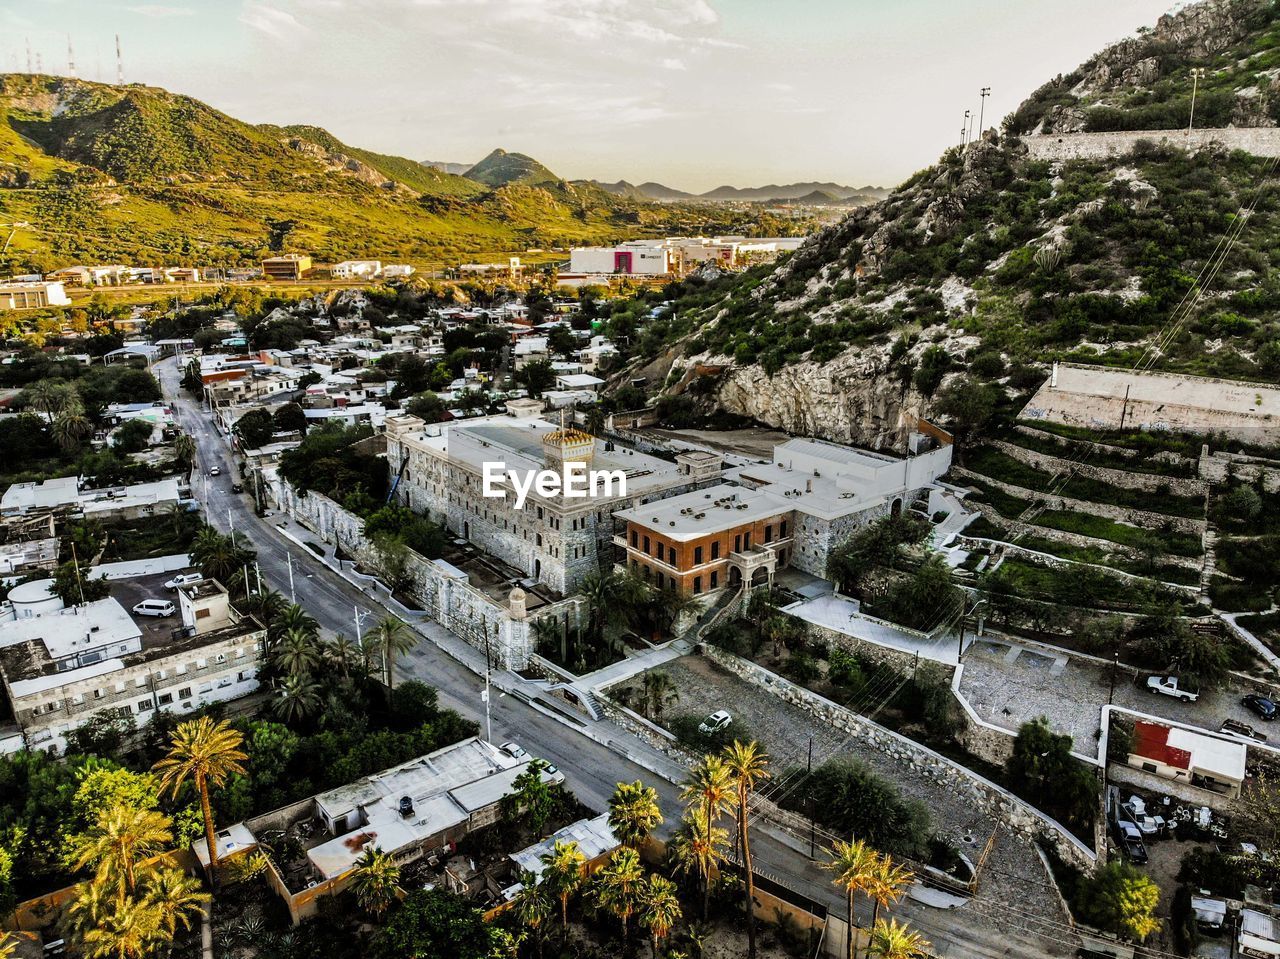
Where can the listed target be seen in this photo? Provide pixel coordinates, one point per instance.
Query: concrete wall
(1216, 467)
(1260, 141)
(1150, 482)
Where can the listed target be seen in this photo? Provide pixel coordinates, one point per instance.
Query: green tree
(427, 406)
(927, 598)
(562, 874)
(537, 377)
(530, 795)
(392, 637)
(73, 586)
(616, 886)
(376, 880)
(1119, 898)
(891, 940)
(747, 765)
(854, 864)
(634, 813)
(254, 429)
(532, 905)
(659, 909)
(207, 753)
(1042, 770)
(434, 924)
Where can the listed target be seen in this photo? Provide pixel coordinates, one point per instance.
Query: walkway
(842, 615)
(1262, 649)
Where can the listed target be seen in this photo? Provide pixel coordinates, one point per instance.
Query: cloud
(674, 63)
(160, 10)
(274, 22)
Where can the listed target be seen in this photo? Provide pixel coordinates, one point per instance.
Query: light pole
(982, 109)
(1197, 74)
(964, 128)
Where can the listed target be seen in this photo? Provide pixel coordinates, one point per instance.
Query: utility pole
(119, 64)
(964, 128)
(1197, 74)
(71, 58)
(488, 720)
(813, 828)
(288, 558)
(970, 136)
(982, 110)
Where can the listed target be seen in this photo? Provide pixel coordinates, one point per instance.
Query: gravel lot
(1009, 685)
(1015, 872)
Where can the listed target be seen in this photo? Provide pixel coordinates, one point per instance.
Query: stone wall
(966, 784)
(1162, 456)
(1260, 141)
(898, 659)
(1119, 514)
(1014, 551)
(1218, 466)
(1149, 482)
(443, 591)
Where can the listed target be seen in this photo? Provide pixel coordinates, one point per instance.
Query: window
(737, 543)
(206, 688)
(180, 669)
(184, 692)
(697, 556)
(140, 681)
(634, 537)
(220, 658)
(715, 550)
(715, 577)
(746, 539)
(240, 653)
(646, 546)
(166, 699)
(783, 531)
(697, 585)
(662, 549)
(144, 705)
(203, 613)
(244, 675)
(202, 664)
(768, 534)
(99, 693)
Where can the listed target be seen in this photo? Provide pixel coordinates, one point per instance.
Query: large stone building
(439, 470)
(791, 512)
(64, 667)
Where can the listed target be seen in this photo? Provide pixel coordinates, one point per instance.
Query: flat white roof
(1220, 758)
(103, 622)
(1259, 933)
(50, 492)
(593, 836)
(575, 381)
(711, 510)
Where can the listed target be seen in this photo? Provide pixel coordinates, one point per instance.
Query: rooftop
(1189, 750)
(593, 836)
(701, 512)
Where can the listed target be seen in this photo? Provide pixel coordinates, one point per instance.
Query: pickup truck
(1172, 686)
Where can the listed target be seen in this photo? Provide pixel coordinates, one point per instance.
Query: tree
(434, 924)
(934, 364)
(70, 428)
(121, 837)
(696, 851)
(1119, 898)
(659, 692)
(615, 888)
(530, 794)
(1042, 770)
(709, 792)
(392, 637)
(184, 451)
(532, 905)
(297, 654)
(394, 561)
(427, 406)
(659, 909)
(298, 699)
(207, 753)
(289, 418)
(890, 940)
(925, 598)
(129, 930)
(221, 557)
(375, 880)
(889, 881)
(132, 436)
(176, 898)
(968, 404)
(747, 764)
(254, 429)
(854, 864)
(536, 376)
(562, 874)
(634, 813)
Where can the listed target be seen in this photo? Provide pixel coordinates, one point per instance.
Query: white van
(155, 607)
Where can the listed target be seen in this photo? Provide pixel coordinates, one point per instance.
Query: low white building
(32, 296)
(356, 269)
(119, 502)
(633, 258)
(393, 270)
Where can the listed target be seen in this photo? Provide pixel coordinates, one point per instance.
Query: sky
(690, 93)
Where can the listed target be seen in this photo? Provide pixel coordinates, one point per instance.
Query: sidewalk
(841, 615)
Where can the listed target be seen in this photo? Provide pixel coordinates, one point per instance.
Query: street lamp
(964, 128)
(982, 110)
(1197, 74)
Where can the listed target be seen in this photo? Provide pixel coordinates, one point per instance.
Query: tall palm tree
(616, 886)
(376, 880)
(696, 850)
(177, 898)
(184, 451)
(207, 753)
(747, 764)
(220, 557)
(128, 931)
(122, 837)
(562, 874)
(547, 631)
(289, 618)
(532, 906)
(297, 654)
(70, 428)
(709, 791)
(298, 699)
(659, 692)
(634, 813)
(52, 397)
(392, 637)
(891, 940)
(343, 653)
(854, 864)
(889, 882)
(659, 909)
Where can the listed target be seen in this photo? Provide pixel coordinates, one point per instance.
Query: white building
(393, 270)
(64, 667)
(32, 296)
(353, 269)
(121, 502)
(633, 258)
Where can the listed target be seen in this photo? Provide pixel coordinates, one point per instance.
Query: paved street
(594, 757)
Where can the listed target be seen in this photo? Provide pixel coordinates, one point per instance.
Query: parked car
(1261, 706)
(1237, 728)
(183, 579)
(715, 722)
(514, 750)
(1129, 838)
(237, 487)
(1174, 686)
(215, 470)
(155, 607)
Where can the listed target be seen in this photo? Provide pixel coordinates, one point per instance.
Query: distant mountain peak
(501, 168)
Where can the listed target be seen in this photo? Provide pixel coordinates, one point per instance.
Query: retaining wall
(1217, 467)
(1260, 141)
(1148, 482)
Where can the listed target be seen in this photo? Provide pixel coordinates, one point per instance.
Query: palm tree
(207, 753)
(547, 631)
(8, 945)
(299, 699)
(746, 763)
(659, 909)
(290, 618)
(296, 655)
(184, 451)
(70, 428)
(392, 637)
(344, 654)
(889, 882)
(710, 793)
(616, 886)
(854, 864)
(562, 874)
(121, 838)
(52, 397)
(129, 931)
(602, 594)
(376, 880)
(659, 692)
(696, 850)
(177, 897)
(891, 940)
(220, 557)
(634, 813)
(532, 905)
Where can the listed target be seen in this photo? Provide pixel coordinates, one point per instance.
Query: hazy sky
(693, 93)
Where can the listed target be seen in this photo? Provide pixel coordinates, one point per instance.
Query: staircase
(1210, 564)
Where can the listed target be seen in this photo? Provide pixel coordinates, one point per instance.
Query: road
(592, 767)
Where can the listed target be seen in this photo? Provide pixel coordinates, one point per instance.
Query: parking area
(785, 731)
(1008, 685)
(129, 592)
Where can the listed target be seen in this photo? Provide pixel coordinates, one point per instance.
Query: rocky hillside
(989, 264)
(139, 174)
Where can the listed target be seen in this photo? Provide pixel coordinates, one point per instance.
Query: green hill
(501, 168)
(141, 175)
(993, 263)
